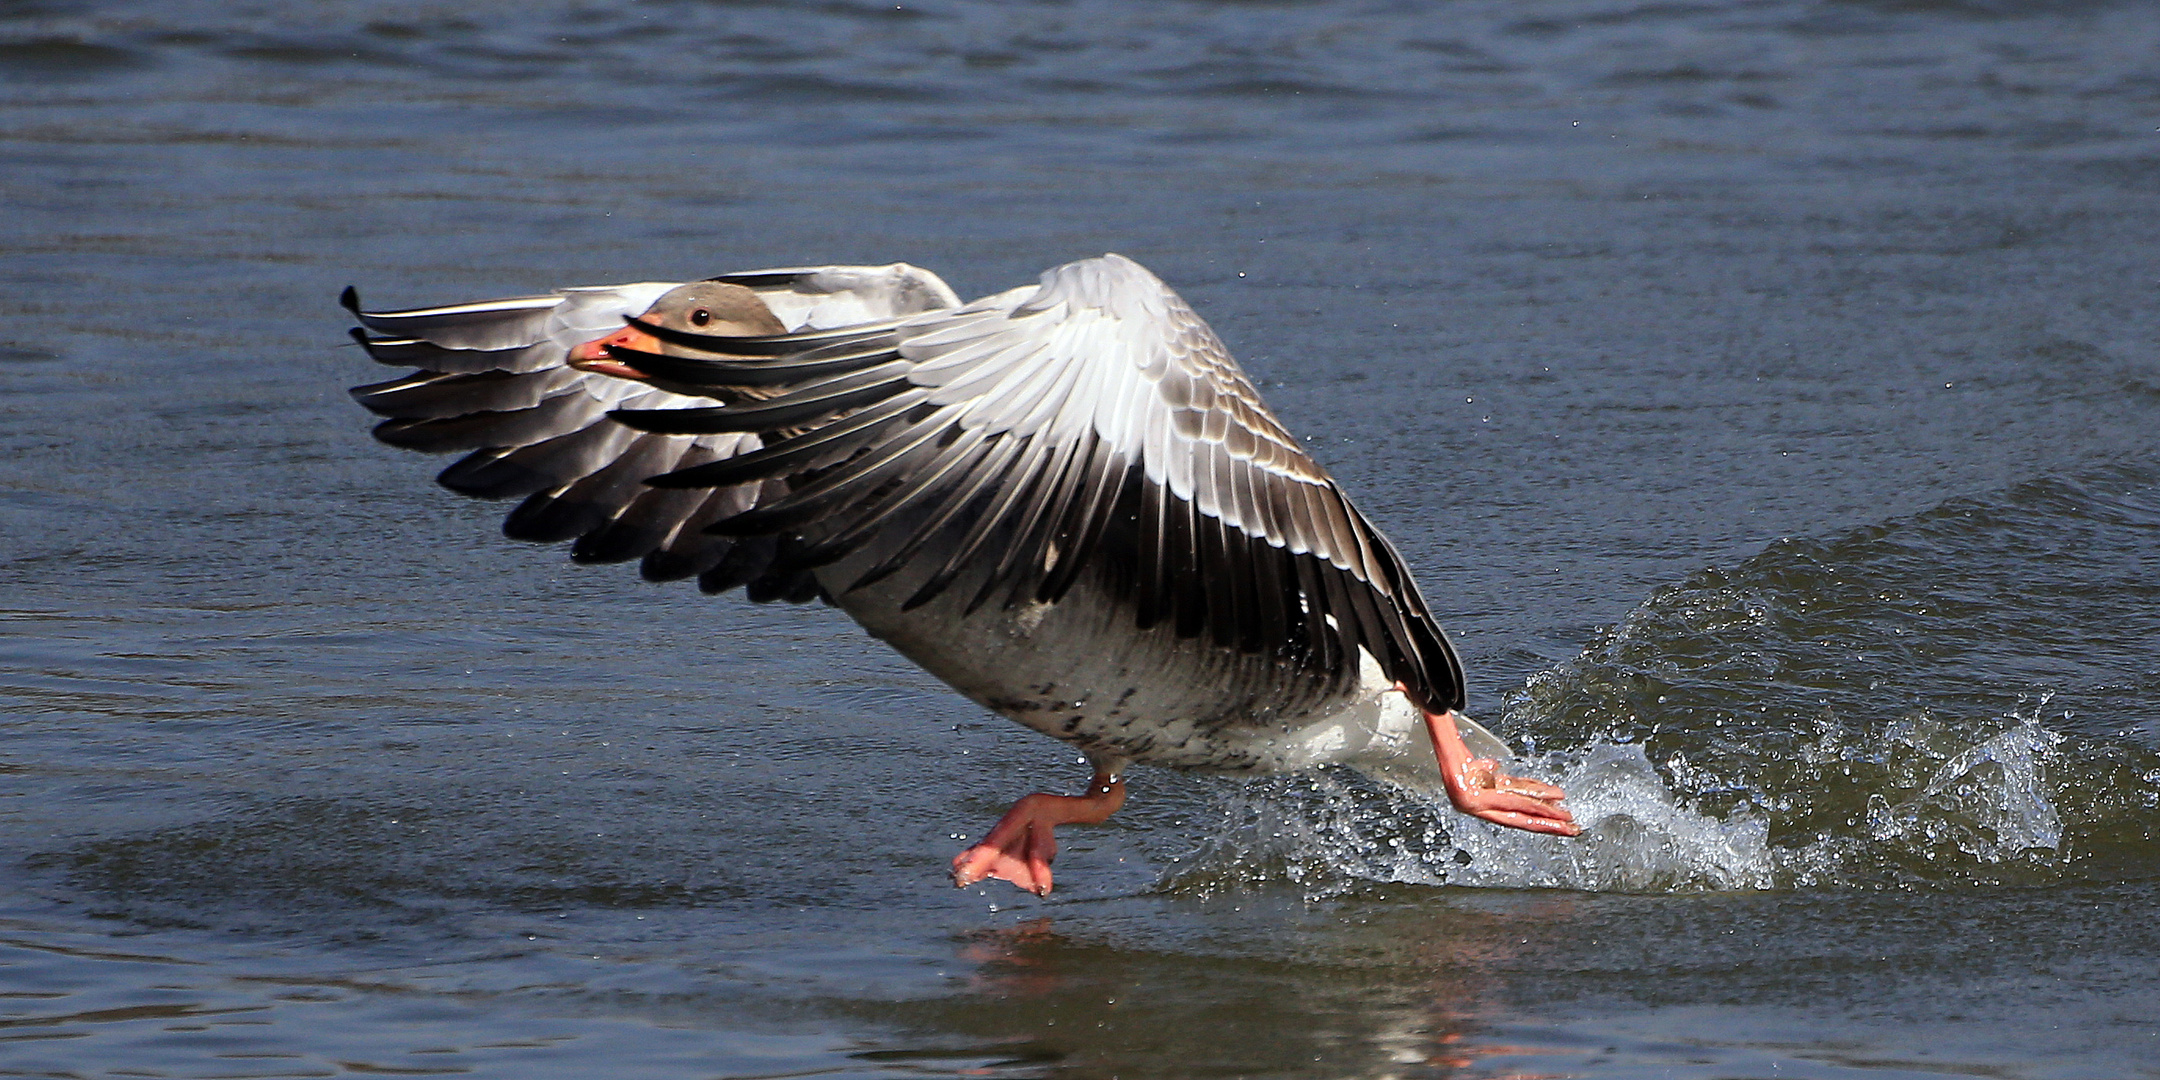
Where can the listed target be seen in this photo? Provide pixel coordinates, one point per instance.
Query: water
(1764, 390)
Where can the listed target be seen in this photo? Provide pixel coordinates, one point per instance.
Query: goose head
(703, 307)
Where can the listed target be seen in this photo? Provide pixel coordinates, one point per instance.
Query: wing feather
(1125, 410)
(494, 384)
(1013, 488)
(1090, 424)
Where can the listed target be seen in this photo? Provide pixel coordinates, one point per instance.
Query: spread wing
(492, 384)
(1091, 422)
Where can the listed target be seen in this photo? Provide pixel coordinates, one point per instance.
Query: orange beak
(593, 355)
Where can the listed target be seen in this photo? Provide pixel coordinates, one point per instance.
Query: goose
(1065, 500)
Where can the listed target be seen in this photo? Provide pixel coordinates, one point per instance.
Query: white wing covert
(1090, 423)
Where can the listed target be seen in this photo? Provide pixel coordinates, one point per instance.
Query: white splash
(1638, 836)
(1327, 830)
(1988, 800)
(1928, 800)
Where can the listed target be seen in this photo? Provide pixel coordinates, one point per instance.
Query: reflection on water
(1416, 982)
(1392, 982)
(1093, 1008)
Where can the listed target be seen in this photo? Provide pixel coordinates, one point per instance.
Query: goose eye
(700, 317)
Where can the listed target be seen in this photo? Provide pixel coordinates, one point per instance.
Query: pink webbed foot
(1020, 846)
(1478, 788)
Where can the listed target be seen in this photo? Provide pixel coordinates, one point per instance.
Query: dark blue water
(1765, 392)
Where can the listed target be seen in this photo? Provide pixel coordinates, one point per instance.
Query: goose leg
(1020, 846)
(1478, 788)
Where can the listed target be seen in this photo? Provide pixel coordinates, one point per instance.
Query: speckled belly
(1079, 671)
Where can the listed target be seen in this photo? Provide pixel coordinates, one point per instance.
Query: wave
(1967, 697)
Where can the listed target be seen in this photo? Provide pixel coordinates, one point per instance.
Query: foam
(1328, 830)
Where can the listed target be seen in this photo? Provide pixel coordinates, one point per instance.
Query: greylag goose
(1065, 500)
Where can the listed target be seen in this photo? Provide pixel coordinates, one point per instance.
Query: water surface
(1764, 392)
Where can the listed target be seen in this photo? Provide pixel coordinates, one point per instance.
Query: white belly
(1080, 671)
